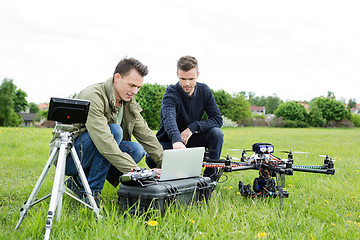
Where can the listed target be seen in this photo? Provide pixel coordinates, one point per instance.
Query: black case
(158, 195)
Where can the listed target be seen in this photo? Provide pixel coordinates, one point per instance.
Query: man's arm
(213, 112)
(98, 128)
(168, 117)
(146, 137)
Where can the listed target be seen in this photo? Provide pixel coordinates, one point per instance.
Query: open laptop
(182, 163)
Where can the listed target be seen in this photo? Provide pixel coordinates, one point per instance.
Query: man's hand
(178, 145)
(185, 135)
(158, 171)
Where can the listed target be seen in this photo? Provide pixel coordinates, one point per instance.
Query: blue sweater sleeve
(213, 112)
(168, 116)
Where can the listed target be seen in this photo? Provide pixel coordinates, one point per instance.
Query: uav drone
(269, 167)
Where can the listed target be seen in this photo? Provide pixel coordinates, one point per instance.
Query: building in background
(260, 110)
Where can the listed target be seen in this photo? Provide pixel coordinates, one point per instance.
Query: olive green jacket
(103, 112)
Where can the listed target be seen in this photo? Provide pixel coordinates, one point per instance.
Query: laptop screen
(182, 163)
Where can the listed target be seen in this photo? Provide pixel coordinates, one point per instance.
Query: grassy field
(318, 207)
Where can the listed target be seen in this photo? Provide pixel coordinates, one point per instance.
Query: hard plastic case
(136, 198)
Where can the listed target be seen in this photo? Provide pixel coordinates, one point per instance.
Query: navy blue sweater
(180, 111)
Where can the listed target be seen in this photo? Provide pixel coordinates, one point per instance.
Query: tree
(331, 109)
(331, 95)
(355, 119)
(239, 108)
(316, 117)
(272, 103)
(20, 102)
(292, 111)
(251, 98)
(243, 93)
(260, 101)
(222, 99)
(42, 114)
(352, 103)
(8, 117)
(149, 98)
(34, 108)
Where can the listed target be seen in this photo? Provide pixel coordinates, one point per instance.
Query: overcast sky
(295, 49)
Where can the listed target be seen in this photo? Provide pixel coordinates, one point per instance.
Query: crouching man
(104, 146)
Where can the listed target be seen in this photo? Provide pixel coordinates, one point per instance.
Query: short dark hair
(187, 63)
(127, 64)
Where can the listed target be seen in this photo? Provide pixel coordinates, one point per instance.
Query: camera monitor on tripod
(68, 111)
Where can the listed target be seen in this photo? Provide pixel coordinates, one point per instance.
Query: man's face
(127, 86)
(187, 80)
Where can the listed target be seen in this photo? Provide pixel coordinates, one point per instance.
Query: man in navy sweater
(182, 108)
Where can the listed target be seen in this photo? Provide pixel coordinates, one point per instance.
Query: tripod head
(64, 133)
(64, 127)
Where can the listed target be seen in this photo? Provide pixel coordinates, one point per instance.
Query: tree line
(322, 111)
(12, 102)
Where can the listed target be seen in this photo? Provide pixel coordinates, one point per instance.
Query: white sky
(295, 49)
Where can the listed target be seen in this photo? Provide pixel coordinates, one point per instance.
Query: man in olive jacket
(114, 116)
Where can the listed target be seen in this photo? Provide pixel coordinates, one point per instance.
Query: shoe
(96, 195)
(73, 186)
(212, 173)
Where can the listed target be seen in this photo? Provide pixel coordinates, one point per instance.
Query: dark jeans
(211, 139)
(96, 167)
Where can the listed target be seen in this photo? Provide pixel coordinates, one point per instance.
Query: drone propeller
(284, 151)
(328, 157)
(240, 150)
(231, 158)
(228, 157)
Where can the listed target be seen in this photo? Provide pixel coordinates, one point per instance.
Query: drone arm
(277, 169)
(233, 169)
(329, 171)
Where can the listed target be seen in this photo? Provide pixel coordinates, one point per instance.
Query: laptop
(182, 163)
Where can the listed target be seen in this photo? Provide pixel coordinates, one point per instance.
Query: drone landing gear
(265, 187)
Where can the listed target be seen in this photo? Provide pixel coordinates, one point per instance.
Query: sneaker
(96, 195)
(73, 186)
(212, 173)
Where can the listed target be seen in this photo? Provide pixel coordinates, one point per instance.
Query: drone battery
(263, 148)
(159, 195)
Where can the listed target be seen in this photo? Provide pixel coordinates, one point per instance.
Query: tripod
(63, 144)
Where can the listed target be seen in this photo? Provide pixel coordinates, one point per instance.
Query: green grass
(318, 207)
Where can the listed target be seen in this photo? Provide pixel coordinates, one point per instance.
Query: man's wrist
(178, 145)
(177, 139)
(193, 127)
